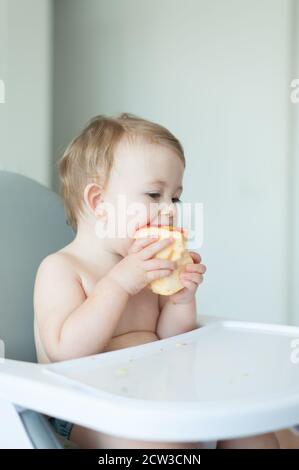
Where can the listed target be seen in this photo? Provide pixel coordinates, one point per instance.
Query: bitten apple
(175, 252)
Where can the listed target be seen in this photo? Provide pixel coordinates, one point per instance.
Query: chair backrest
(33, 225)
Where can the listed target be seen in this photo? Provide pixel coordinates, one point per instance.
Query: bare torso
(138, 321)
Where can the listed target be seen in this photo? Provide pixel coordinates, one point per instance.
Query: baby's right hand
(139, 268)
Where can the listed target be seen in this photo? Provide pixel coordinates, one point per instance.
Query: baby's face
(148, 179)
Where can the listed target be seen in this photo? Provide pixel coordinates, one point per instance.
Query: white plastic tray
(221, 380)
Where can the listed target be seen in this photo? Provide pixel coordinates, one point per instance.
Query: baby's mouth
(167, 223)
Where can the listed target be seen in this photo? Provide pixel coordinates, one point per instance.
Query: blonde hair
(89, 157)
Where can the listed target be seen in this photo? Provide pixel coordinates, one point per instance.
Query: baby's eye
(176, 199)
(154, 195)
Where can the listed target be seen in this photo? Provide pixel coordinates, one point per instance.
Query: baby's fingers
(194, 277)
(154, 248)
(195, 256)
(153, 275)
(190, 285)
(196, 268)
(141, 243)
(156, 263)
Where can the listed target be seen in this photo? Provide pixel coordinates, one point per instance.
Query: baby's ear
(93, 197)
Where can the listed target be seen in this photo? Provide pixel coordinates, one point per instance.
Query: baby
(92, 295)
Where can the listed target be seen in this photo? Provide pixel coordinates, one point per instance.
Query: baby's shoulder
(60, 264)
(57, 286)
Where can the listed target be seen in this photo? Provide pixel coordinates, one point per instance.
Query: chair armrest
(26, 385)
(34, 387)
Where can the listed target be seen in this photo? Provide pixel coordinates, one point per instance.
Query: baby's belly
(133, 338)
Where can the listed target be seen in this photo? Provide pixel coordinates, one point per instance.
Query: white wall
(3, 55)
(25, 65)
(293, 240)
(3, 36)
(217, 74)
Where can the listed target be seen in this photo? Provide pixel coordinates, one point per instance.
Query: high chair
(225, 379)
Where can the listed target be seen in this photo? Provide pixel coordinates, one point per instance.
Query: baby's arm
(177, 318)
(178, 311)
(71, 325)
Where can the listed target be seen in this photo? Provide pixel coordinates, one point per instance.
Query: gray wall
(26, 68)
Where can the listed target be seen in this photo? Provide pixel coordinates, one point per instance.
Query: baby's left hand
(190, 277)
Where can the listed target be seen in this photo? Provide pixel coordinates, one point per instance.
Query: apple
(177, 251)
